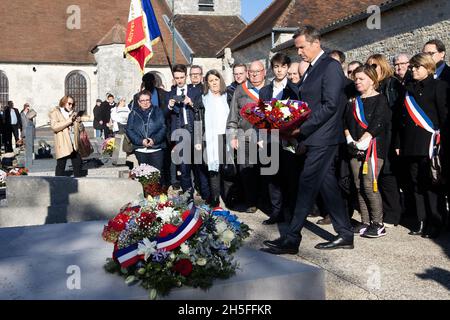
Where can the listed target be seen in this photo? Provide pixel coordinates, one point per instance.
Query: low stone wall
(45, 200)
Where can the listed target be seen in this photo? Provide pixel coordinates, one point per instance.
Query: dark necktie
(185, 116)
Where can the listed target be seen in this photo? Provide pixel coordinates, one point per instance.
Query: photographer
(62, 120)
(182, 117)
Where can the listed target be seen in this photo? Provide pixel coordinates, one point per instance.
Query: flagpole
(166, 52)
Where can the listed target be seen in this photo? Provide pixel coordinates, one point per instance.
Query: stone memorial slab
(65, 261)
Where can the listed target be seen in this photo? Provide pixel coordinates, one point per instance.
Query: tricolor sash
(420, 118)
(129, 256)
(358, 113)
(253, 93)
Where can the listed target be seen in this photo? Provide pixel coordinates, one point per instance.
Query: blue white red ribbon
(129, 256)
(420, 118)
(253, 93)
(358, 113)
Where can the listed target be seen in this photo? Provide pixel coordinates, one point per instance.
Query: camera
(179, 99)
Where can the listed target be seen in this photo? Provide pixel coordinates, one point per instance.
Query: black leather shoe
(419, 231)
(324, 221)
(339, 243)
(431, 233)
(283, 248)
(272, 220)
(251, 210)
(274, 243)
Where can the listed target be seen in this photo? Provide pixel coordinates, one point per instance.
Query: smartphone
(80, 113)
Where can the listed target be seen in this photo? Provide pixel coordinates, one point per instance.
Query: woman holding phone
(62, 121)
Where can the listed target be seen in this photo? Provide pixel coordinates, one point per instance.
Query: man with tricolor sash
(245, 93)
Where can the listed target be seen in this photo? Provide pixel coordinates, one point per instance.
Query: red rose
(183, 267)
(119, 222)
(167, 229)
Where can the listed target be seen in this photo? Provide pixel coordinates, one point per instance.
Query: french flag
(142, 32)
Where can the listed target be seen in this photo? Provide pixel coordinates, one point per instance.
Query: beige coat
(60, 126)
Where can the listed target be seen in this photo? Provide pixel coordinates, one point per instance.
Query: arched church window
(205, 5)
(4, 88)
(76, 86)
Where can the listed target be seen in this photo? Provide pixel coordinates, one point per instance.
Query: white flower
(227, 237)
(184, 248)
(286, 112)
(221, 226)
(166, 214)
(147, 248)
(201, 262)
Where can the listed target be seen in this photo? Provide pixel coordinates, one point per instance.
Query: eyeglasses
(400, 64)
(255, 72)
(431, 53)
(70, 103)
(349, 72)
(411, 66)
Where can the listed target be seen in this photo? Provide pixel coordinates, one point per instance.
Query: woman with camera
(65, 123)
(365, 123)
(424, 113)
(146, 129)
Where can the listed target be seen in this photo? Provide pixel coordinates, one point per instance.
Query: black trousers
(214, 184)
(155, 159)
(7, 140)
(319, 177)
(390, 193)
(425, 194)
(76, 164)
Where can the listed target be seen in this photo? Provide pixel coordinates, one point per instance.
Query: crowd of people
(376, 140)
(13, 123)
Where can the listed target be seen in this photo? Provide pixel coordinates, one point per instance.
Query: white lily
(147, 248)
(166, 214)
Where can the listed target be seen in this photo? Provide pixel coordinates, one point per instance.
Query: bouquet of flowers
(285, 115)
(108, 146)
(149, 177)
(18, 172)
(2, 178)
(164, 243)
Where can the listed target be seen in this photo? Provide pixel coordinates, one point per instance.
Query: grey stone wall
(221, 7)
(116, 75)
(403, 29)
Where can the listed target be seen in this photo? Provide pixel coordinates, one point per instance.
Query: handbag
(435, 166)
(31, 114)
(85, 148)
(127, 146)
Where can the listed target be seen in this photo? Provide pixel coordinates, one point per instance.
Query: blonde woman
(65, 123)
(423, 115)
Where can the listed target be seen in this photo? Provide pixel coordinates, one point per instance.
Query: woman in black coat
(392, 89)
(430, 96)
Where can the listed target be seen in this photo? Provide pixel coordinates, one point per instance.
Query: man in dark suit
(182, 113)
(279, 64)
(322, 87)
(6, 130)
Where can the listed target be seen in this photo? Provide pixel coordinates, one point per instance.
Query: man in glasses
(240, 76)
(401, 64)
(196, 76)
(247, 92)
(436, 49)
